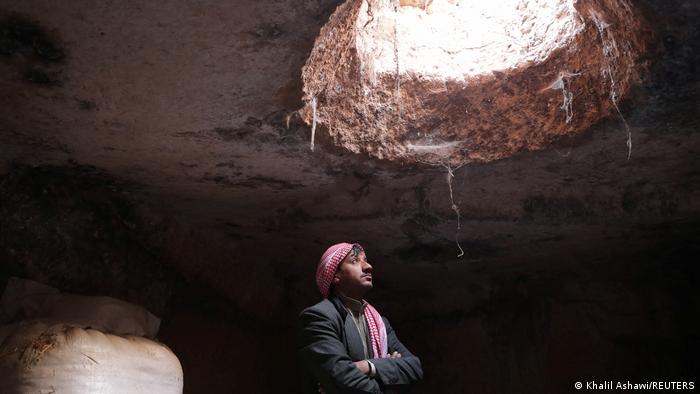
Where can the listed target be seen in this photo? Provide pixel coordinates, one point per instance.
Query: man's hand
(393, 391)
(363, 366)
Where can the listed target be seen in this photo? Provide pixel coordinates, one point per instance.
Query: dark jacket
(330, 342)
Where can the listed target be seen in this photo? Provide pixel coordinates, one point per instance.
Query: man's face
(354, 275)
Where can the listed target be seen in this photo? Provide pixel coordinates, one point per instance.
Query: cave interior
(155, 152)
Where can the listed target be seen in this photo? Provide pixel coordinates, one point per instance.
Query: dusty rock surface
(459, 82)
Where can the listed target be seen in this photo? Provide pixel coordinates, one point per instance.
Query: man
(346, 345)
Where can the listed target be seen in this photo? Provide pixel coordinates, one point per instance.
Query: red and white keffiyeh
(324, 277)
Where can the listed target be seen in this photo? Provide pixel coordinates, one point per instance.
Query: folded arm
(402, 370)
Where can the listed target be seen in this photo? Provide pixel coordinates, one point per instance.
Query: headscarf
(325, 272)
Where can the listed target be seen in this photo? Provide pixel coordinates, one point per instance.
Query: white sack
(26, 299)
(106, 314)
(54, 357)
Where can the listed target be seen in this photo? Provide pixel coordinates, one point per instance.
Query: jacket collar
(338, 304)
(353, 342)
(352, 304)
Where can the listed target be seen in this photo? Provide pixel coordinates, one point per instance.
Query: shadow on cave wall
(32, 51)
(75, 228)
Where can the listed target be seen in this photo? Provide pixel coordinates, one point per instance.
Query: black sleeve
(325, 356)
(397, 371)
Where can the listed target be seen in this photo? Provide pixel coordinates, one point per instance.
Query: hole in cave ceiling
(456, 81)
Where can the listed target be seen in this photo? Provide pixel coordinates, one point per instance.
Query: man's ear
(336, 278)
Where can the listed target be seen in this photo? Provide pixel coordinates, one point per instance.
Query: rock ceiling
(188, 102)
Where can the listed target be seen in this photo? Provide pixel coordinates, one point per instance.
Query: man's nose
(367, 266)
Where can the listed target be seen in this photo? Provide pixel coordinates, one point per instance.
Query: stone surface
(469, 81)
